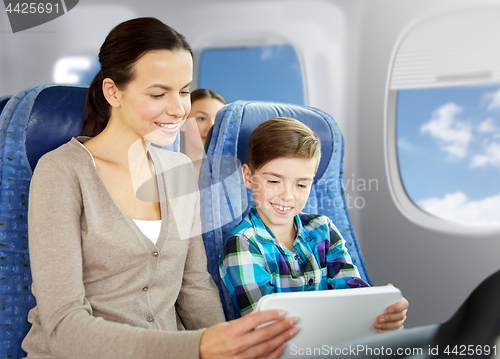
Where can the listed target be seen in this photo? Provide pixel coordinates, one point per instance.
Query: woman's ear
(110, 91)
(247, 176)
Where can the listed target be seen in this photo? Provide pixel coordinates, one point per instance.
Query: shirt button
(150, 319)
(145, 289)
(297, 257)
(156, 254)
(311, 281)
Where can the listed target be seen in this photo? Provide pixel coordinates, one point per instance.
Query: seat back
(3, 102)
(225, 199)
(34, 122)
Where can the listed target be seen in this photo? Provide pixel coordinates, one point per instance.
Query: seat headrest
(55, 118)
(255, 113)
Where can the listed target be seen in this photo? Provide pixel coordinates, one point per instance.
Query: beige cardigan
(103, 289)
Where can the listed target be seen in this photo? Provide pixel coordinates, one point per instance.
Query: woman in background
(204, 106)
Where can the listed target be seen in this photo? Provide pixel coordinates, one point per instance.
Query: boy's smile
(280, 190)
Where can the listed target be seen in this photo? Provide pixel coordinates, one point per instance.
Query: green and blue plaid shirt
(253, 263)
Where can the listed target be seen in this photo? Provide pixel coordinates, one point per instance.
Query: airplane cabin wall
(436, 270)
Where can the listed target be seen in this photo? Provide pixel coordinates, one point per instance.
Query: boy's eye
(201, 119)
(158, 95)
(273, 181)
(185, 93)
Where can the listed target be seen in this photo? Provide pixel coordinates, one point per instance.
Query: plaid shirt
(253, 263)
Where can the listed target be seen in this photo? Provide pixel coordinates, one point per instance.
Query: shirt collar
(264, 234)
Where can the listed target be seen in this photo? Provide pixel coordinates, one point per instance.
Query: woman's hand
(241, 338)
(394, 317)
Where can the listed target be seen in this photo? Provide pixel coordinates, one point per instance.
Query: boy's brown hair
(281, 137)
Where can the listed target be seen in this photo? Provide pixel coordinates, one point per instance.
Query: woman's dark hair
(124, 45)
(200, 94)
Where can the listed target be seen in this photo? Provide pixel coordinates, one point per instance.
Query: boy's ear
(247, 176)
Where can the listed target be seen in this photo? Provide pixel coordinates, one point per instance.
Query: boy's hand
(393, 318)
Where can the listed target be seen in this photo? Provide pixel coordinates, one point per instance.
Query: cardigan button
(145, 289)
(156, 254)
(150, 319)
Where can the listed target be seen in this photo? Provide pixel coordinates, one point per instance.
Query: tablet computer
(329, 317)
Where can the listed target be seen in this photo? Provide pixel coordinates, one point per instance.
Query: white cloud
(487, 126)
(405, 145)
(453, 135)
(494, 100)
(267, 53)
(491, 156)
(457, 207)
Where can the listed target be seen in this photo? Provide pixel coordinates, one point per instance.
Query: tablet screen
(330, 317)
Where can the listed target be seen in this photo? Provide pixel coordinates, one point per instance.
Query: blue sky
(449, 151)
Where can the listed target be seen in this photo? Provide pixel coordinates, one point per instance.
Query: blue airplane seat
(34, 122)
(225, 200)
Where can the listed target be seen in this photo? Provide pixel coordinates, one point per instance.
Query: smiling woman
(155, 103)
(119, 271)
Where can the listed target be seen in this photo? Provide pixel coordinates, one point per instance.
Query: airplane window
(76, 70)
(264, 73)
(443, 121)
(448, 147)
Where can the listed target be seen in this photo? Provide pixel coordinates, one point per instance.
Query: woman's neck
(118, 145)
(196, 158)
(126, 150)
(193, 153)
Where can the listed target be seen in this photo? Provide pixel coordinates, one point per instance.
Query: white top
(86, 149)
(150, 229)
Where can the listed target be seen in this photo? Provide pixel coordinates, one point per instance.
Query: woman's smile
(170, 128)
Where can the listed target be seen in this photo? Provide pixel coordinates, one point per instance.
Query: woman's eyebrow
(167, 87)
(160, 86)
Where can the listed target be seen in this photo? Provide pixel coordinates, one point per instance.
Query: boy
(276, 248)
